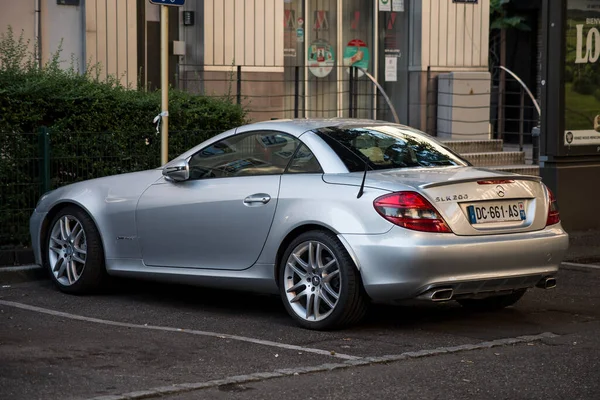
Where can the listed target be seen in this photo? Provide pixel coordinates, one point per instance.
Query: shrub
(96, 128)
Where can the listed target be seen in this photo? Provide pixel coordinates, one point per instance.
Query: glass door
(323, 38)
(357, 50)
(294, 43)
(321, 58)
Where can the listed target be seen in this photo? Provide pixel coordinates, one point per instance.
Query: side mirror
(178, 171)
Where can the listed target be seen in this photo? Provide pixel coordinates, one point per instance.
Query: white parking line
(179, 330)
(280, 373)
(569, 264)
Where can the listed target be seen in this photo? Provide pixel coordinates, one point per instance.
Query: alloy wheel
(67, 250)
(313, 281)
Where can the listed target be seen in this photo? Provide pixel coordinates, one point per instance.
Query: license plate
(496, 212)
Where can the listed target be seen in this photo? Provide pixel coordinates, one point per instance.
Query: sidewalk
(584, 247)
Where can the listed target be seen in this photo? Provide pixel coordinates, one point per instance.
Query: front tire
(494, 303)
(73, 252)
(319, 283)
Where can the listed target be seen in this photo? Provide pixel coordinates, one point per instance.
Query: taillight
(410, 210)
(553, 214)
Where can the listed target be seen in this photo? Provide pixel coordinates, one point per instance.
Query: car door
(220, 218)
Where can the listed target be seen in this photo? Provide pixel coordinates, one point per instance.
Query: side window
(247, 154)
(304, 162)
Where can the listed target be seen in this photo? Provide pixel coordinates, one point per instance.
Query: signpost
(570, 123)
(177, 3)
(164, 73)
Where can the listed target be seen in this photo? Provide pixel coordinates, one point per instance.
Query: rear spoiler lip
(466, 180)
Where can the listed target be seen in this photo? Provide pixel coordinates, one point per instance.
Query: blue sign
(177, 3)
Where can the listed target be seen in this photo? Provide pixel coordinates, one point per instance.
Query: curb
(25, 273)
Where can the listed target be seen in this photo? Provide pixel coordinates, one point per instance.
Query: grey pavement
(148, 340)
(553, 369)
(584, 247)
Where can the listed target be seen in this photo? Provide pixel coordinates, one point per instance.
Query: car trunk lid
(472, 201)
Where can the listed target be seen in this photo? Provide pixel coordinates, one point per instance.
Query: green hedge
(96, 128)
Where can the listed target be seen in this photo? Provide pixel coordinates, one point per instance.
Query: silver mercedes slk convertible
(330, 214)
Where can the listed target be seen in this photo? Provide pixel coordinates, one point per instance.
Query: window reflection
(386, 147)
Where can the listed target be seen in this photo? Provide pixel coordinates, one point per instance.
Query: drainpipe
(83, 62)
(38, 31)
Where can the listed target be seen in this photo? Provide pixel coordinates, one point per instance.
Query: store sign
(385, 5)
(582, 73)
(398, 5)
(176, 3)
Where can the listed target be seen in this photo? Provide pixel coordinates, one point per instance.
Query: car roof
(297, 127)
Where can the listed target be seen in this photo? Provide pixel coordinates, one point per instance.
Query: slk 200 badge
(455, 197)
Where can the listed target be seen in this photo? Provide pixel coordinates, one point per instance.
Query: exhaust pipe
(437, 295)
(547, 283)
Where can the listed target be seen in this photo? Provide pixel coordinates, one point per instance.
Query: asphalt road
(145, 340)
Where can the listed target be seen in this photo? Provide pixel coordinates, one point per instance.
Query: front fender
(110, 202)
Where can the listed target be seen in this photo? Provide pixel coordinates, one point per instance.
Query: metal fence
(288, 92)
(507, 113)
(496, 107)
(34, 163)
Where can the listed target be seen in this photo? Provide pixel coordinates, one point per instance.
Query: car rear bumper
(404, 264)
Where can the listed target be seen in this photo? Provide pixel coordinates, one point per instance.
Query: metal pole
(45, 159)
(524, 86)
(296, 91)
(385, 96)
(350, 92)
(164, 77)
(355, 92)
(427, 100)
(535, 137)
(521, 119)
(501, 85)
(239, 85)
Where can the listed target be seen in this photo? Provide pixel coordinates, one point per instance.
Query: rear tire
(494, 303)
(73, 252)
(319, 283)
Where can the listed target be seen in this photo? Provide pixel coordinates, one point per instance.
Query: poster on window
(385, 5)
(398, 5)
(582, 73)
(391, 69)
(356, 54)
(320, 58)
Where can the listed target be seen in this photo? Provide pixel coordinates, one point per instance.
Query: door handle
(257, 198)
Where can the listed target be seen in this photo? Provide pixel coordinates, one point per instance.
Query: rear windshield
(386, 147)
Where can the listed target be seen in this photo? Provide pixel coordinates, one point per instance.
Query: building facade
(294, 55)
(88, 32)
(282, 58)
